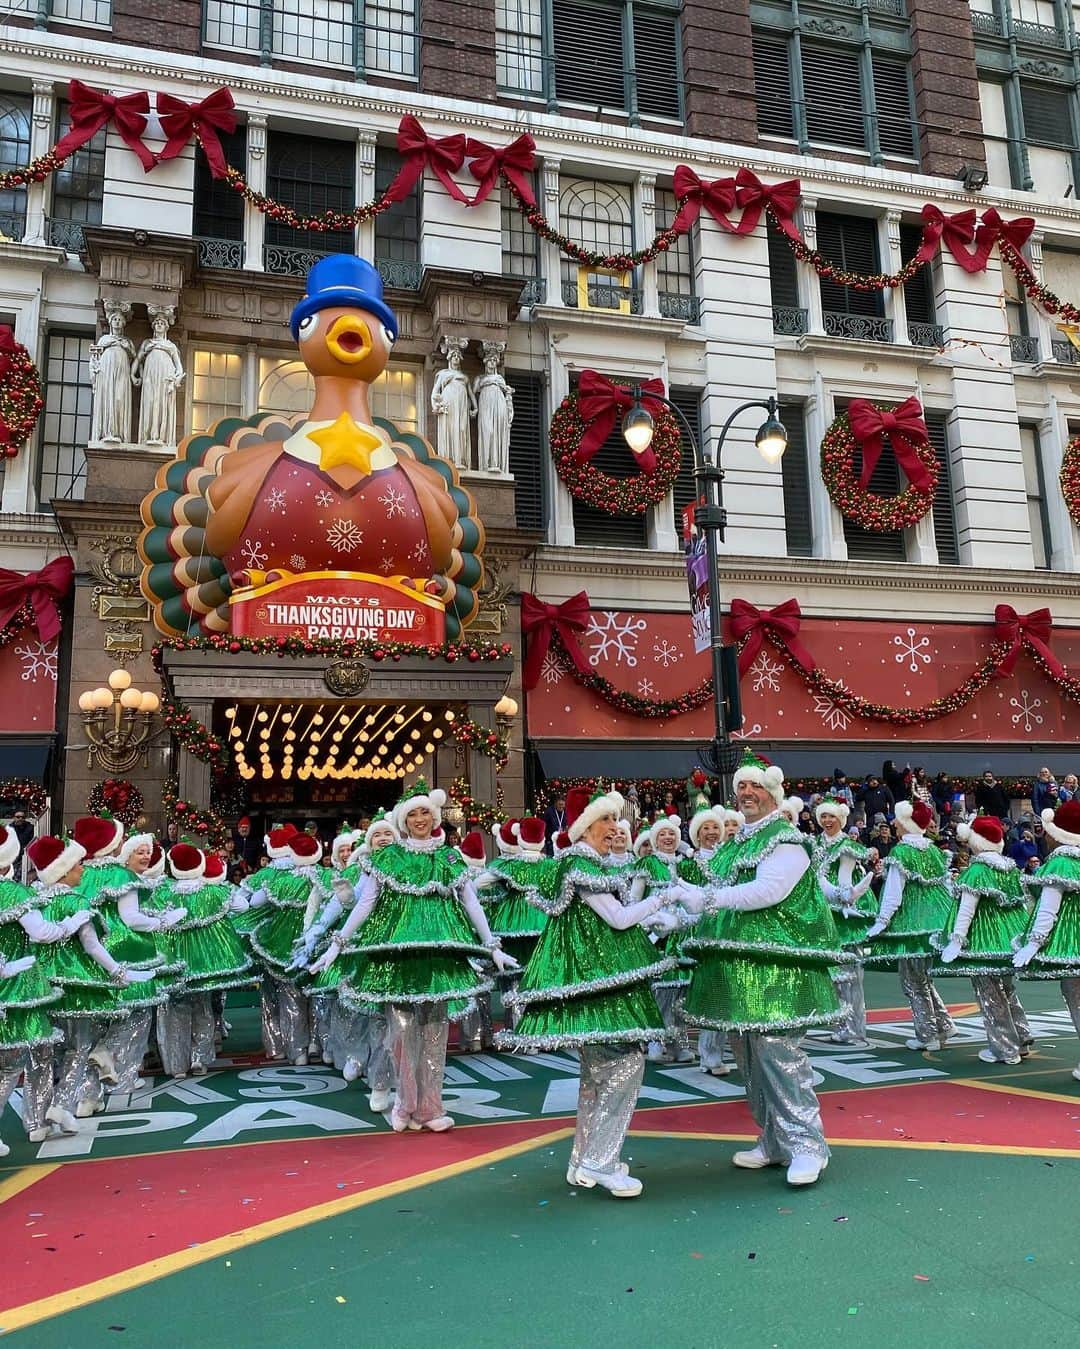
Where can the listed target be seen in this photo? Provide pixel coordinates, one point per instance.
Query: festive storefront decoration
(122, 799)
(20, 394)
(1070, 478)
(32, 598)
(863, 426)
(297, 645)
(192, 819)
(647, 789)
(749, 626)
(541, 621)
(483, 739)
(477, 814)
(24, 792)
(191, 735)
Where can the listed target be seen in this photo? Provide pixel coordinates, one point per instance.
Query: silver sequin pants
(127, 1040)
(185, 1032)
(848, 980)
(1070, 991)
(711, 1045)
(36, 1063)
(77, 1078)
(1019, 1016)
(928, 1013)
(322, 1011)
(1002, 1033)
(418, 1034)
(780, 1093)
(608, 1091)
(475, 1031)
(285, 1018)
(669, 999)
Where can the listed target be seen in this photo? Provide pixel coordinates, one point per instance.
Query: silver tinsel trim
(560, 992)
(1066, 884)
(108, 891)
(994, 860)
(942, 879)
(279, 962)
(18, 910)
(964, 970)
(389, 948)
(27, 1005)
(44, 893)
(643, 1035)
(575, 879)
(813, 953)
(193, 924)
(56, 1038)
(986, 891)
(843, 847)
(363, 1004)
(504, 935)
(764, 1027)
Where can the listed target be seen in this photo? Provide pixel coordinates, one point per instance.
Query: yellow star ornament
(343, 443)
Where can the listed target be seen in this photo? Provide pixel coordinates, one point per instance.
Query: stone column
(550, 257)
(482, 775)
(365, 191)
(42, 122)
(255, 172)
(644, 229)
(828, 523)
(946, 83)
(895, 304)
(194, 775)
(809, 285)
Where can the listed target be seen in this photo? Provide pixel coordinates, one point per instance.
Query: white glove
(76, 921)
(503, 963)
(172, 916)
(1025, 954)
(876, 931)
(14, 967)
(138, 976)
(664, 922)
(951, 951)
(325, 960)
(238, 903)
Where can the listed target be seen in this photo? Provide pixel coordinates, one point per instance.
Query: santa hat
(380, 820)
(583, 810)
(471, 849)
(156, 869)
(98, 835)
(348, 838)
(754, 768)
(666, 822)
(415, 796)
(561, 843)
(53, 858)
(644, 835)
(214, 869)
(1063, 824)
(244, 819)
(505, 836)
(9, 848)
(131, 843)
(278, 839)
(983, 834)
(915, 817)
(623, 828)
(186, 862)
(792, 806)
(713, 813)
(829, 805)
(306, 849)
(530, 834)
(731, 814)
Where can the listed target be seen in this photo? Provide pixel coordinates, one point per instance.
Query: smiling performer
(763, 973)
(587, 987)
(712, 832)
(845, 870)
(658, 873)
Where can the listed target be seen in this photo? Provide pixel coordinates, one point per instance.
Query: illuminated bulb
(426, 716)
(290, 736)
(369, 720)
(102, 698)
(230, 713)
(131, 699)
(286, 771)
(262, 716)
(449, 715)
(267, 772)
(286, 717)
(119, 680)
(316, 736)
(338, 737)
(317, 719)
(437, 733)
(429, 748)
(86, 701)
(235, 732)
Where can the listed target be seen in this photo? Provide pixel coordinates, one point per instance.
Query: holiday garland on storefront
(478, 814)
(1070, 478)
(653, 789)
(122, 799)
(294, 645)
(848, 434)
(22, 618)
(472, 735)
(32, 795)
(20, 394)
(193, 819)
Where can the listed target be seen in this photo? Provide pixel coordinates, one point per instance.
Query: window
(286, 385)
(852, 243)
(313, 176)
(789, 318)
(892, 105)
(82, 11)
(397, 229)
(521, 249)
(598, 529)
(527, 441)
(367, 36)
(219, 211)
(656, 63)
(862, 543)
(65, 422)
(948, 550)
(1035, 487)
(833, 96)
(685, 491)
(599, 216)
(772, 86)
(591, 41)
(795, 467)
(675, 268)
(1046, 115)
(216, 388)
(14, 154)
(519, 46)
(78, 187)
(923, 331)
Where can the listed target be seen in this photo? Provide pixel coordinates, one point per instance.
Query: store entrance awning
(25, 756)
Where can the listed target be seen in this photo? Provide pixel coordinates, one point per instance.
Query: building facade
(876, 107)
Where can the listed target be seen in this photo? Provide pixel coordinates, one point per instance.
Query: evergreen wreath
(20, 394)
(594, 487)
(879, 515)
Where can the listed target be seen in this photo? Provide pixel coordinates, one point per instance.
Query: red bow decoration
(748, 621)
(540, 621)
(753, 196)
(43, 589)
(1014, 232)
(600, 402)
(906, 430)
(957, 231)
(718, 197)
(1016, 629)
(442, 155)
(90, 110)
(180, 121)
(515, 161)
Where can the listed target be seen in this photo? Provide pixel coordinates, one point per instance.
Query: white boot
(87, 1109)
(619, 1183)
(988, 1056)
(103, 1061)
(804, 1169)
(4, 1149)
(39, 1135)
(753, 1159)
(920, 1045)
(63, 1119)
(440, 1124)
(351, 1071)
(380, 1101)
(1076, 1074)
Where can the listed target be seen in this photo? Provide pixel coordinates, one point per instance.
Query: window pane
(798, 525)
(833, 95)
(772, 86)
(519, 65)
(65, 422)
(851, 241)
(314, 30)
(656, 37)
(919, 291)
(397, 229)
(944, 517)
(82, 11)
(528, 436)
(892, 95)
(597, 215)
(520, 242)
(14, 154)
(390, 37)
(232, 23)
(589, 54)
(864, 543)
(216, 387)
(312, 176)
(1033, 484)
(393, 396)
(1046, 114)
(219, 211)
(675, 267)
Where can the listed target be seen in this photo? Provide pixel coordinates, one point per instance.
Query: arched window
(600, 216)
(14, 154)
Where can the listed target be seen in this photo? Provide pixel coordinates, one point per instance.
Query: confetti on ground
(853, 1311)
(841, 1219)
(922, 1278)
(339, 1298)
(695, 1255)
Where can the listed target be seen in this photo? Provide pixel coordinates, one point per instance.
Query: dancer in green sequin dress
(658, 873)
(845, 869)
(712, 833)
(621, 858)
(322, 903)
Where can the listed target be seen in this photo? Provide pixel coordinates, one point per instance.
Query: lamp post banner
(695, 550)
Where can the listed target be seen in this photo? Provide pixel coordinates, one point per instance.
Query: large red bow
(443, 155)
(43, 589)
(540, 621)
(600, 402)
(515, 161)
(748, 621)
(906, 430)
(957, 232)
(718, 197)
(1013, 232)
(90, 110)
(180, 120)
(753, 196)
(1016, 629)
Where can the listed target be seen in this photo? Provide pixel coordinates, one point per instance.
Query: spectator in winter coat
(876, 798)
(840, 788)
(1024, 849)
(990, 797)
(1069, 789)
(1044, 794)
(941, 791)
(895, 780)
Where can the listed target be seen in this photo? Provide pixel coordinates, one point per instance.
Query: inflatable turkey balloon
(251, 506)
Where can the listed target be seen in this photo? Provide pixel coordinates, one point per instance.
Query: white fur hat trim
(771, 778)
(610, 804)
(840, 809)
(1055, 831)
(135, 841)
(57, 869)
(434, 800)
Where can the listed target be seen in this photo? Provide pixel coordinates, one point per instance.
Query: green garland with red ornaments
(21, 400)
(880, 515)
(193, 819)
(464, 648)
(22, 618)
(478, 814)
(1070, 478)
(31, 795)
(481, 738)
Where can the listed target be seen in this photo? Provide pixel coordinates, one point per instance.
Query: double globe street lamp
(718, 757)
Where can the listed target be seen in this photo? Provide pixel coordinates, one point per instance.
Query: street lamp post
(719, 756)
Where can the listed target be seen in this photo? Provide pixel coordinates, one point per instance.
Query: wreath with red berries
(614, 496)
(880, 515)
(1070, 478)
(20, 394)
(122, 799)
(30, 795)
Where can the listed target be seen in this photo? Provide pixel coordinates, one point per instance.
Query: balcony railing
(221, 253)
(926, 334)
(1025, 350)
(611, 298)
(676, 306)
(861, 327)
(1038, 33)
(533, 291)
(788, 321)
(989, 25)
(1065, 353)
(399, 275)
(65, 234)
(12, 225)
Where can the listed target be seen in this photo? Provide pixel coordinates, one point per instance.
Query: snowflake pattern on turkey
(344, 536)
(666, 653)
(275, 500)
(766, 674)
(38, 660)
(393, 502)
(646, 688)
(615, 634)
(552, 669)
(420, 552)
(386, 566)
(1026, 710)
(253, 553)
(830, 712)
(911, 651)
(324, 498)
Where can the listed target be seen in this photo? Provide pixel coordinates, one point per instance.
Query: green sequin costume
(765, 969)
(586, 983)
(326, 981)
(417, 944)
(512, 911)
(661, 872)
(104, 882)
(1000, 919)
(1059, 956)
(924, 909)
(205, 942)
(827, 856)
(23, 1024)
(288, 889)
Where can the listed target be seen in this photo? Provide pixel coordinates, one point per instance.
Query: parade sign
(339, 606)
(697, 579)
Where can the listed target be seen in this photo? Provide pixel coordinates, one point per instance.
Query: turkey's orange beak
(349, 339)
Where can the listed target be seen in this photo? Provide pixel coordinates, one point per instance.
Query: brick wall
(457, 54)
(171, 25)
(946, 85)
(718, 68)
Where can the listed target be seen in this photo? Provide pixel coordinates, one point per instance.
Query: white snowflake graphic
(386, 566)
(1026, 710)
(38, 660)
(298, 562)
(911, 651)
(253, 552)
(834, 716)
(552, 669)
(646, 688)
(324, 498)
(766, 674)
(747, 732)
(615, 634)
(344, 536)
(275, 500)
(666, 653)
(393, 502)
(420, 552)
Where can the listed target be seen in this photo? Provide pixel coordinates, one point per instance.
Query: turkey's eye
(308, 326)
(388, 335)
